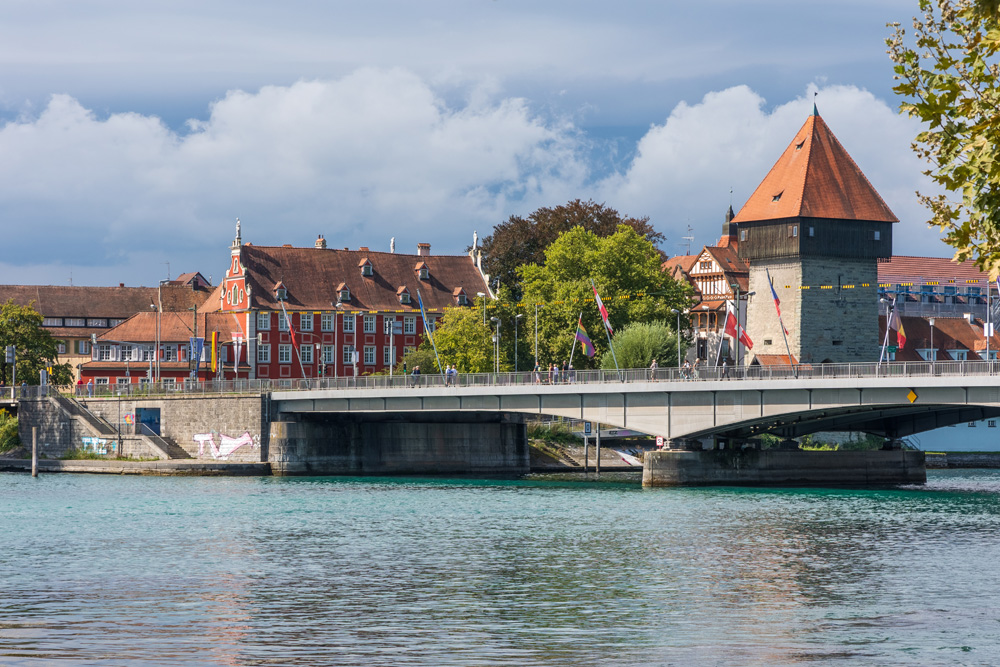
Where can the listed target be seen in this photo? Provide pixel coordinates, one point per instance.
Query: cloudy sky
(133, 134)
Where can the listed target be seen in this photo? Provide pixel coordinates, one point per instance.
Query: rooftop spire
(815, 110)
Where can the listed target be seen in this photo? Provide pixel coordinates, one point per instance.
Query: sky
(134, 134)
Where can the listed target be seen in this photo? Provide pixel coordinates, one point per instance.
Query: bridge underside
(680, 411)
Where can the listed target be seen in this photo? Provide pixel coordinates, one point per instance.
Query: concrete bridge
(891, 400)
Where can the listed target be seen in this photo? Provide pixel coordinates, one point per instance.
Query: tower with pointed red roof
(816, 224)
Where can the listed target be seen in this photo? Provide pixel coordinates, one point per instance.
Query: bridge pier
(777, 467)
(399, 444)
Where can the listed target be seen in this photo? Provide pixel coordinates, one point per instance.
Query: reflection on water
(544, 571)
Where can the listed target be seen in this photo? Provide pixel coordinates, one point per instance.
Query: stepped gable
(815, 178)
(311, 275)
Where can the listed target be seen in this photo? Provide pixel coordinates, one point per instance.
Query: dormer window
(366, 267)
(280, 293)
(460, 297)
(403, 294)
(422, 272)
(343, 292)
(777, 197)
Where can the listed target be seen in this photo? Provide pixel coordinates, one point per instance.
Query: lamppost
(482, 295)
(536, 335)
(933, 351)
(678, 314)
(519, 316)
(496, 345)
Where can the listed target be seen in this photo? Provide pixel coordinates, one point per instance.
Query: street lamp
(678, 313)
(496, 345)
(482, 296)
(933, 351)
(536, 335)
(519, 316)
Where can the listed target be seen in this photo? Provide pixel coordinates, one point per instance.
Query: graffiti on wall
(98, 445)
(226, 445)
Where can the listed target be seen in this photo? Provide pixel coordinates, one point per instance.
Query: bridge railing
(524, 378)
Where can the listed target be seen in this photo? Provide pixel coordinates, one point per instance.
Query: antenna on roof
(689, 239)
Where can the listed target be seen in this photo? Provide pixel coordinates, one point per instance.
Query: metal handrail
(914, 369)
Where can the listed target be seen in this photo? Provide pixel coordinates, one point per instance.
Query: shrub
(8, 432)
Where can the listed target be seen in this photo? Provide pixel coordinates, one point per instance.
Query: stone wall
(838, 325)
(227, 428)
(385, 444)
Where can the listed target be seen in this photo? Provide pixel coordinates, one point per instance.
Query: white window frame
(327, 321)
(328, 354)
(348, 355)
(387, 323)
(285, 353)
(410, 324)
(369, 323)
(264, 354)
(283, 321)
(170, 352)
(369, 359)
(306, 353)
(306, 321)
(61, 347)
(263, 321)
(388, 358)
(104, 352)
(350, 322)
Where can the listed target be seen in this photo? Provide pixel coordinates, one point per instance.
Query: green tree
(461, 339)
(522, 241)
(948, 76)
(21, 326)
(638, 343)
(625, 267)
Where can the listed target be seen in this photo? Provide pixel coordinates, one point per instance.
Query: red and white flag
(604, 311)
(734, 330)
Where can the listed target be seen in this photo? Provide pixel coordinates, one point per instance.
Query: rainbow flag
(585, 342)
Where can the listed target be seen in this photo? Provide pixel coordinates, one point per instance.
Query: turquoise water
(104, 570)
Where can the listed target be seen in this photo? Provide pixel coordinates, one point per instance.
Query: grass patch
(553, 432)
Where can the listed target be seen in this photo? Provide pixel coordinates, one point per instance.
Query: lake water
(104, 570)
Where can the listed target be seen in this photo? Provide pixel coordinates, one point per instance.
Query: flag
(896, 324)
(604, 311)
(585, 342)
(734, 330)
(777, 302)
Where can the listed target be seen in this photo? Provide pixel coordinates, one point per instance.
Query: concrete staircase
(101, 428)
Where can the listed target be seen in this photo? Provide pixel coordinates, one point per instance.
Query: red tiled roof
(174, 327)
(774, 359)
(815, 178)
(920, 270)
(684, 262)
(950, 333)
(309, 273)
(100, 302)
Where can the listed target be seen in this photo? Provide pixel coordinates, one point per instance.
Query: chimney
(320, 242)
(364, 248)
(423, 249)
(121, 284)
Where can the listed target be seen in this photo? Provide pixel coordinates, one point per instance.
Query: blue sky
(132, 135)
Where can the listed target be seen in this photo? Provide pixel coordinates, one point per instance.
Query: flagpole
(579, 322)
(430, 334)
(608, 334)
(888, 321)
(989, 323)
(722, 338)
(292, 336)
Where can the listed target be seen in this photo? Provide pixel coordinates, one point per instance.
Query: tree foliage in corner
(949, 77)
(522, 241)
(21, 326)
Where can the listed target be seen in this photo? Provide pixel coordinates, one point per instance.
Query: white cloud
(379, 153)
(683, 169)
(372, 155)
